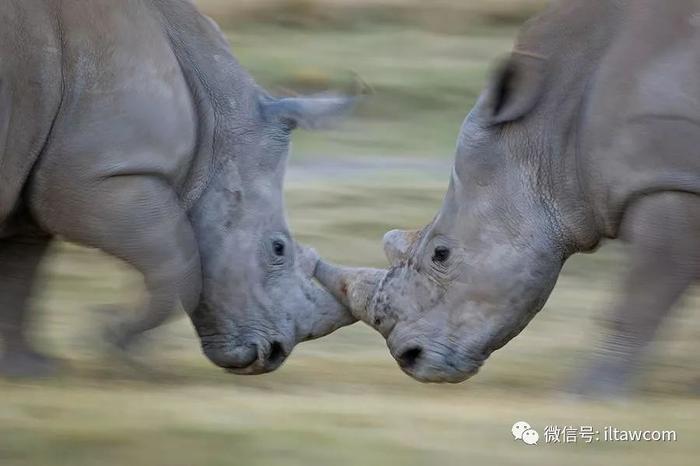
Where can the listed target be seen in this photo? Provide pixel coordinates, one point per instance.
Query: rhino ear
(515, 88)
(314, 112)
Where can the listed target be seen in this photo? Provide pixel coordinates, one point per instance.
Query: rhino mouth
(437, 363)
(248, 358)
(443, 372)
(267, 360)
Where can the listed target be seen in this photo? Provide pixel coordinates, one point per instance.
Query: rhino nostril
(276, 354)
(408, 358)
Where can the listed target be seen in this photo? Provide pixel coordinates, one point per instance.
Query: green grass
(342, 400)
(424, 83)
(444, 16)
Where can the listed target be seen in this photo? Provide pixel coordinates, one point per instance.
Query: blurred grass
(444, 16)
(342, 400)
(417, 76)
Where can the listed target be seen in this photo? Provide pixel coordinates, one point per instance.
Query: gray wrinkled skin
(128, 126)
(580, 136)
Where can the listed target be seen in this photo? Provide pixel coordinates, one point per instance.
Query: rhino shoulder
(30, 93)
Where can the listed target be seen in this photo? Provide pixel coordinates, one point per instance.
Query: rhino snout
(249, 358)
(432, 362)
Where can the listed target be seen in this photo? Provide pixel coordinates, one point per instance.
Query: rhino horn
(353, 287)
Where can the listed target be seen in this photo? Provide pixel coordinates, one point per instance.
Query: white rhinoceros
(128, 126)
(591, 130)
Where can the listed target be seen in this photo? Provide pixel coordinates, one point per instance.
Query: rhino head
(472, 279)
(258, 297)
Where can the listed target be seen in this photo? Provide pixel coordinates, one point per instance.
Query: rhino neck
(223, 92)
(574, 52)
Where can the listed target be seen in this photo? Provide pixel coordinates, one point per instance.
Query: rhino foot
(115, 335)
(603, 381)
(116, 330)
(27, 364)
(124, 345)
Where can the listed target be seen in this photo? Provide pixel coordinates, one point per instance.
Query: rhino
(129, 126)
(588, 131)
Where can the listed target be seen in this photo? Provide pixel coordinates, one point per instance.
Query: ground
(342, 400)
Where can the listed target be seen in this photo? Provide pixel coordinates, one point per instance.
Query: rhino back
(126, 108)
(30, 92)
(151, 87)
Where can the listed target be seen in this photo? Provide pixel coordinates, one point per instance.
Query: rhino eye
(441, 254)
(278, 248)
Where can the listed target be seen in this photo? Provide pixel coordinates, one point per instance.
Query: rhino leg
(19, 261)
(662, 231)
(137, 219)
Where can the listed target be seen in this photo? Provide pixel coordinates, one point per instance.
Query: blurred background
(342, 400)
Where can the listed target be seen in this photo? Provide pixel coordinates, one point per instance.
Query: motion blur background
(342, 400)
